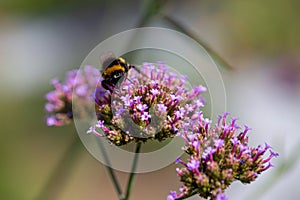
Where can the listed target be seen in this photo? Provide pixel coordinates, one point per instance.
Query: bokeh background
(255, 43)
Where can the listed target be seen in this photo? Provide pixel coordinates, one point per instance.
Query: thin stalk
(152, 8)
(110, 171)
(59, 175)
(133, 169)
(184, 30)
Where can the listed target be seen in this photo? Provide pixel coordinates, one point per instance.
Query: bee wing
(106, 59)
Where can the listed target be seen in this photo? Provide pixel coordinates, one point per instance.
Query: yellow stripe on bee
(113, 68)
(122, 60)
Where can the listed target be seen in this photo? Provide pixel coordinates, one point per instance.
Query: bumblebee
(116, 69)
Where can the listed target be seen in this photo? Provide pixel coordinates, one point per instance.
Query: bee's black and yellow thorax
(115, 70)
(118, 65)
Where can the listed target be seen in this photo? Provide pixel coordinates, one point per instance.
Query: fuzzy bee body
(116, 70)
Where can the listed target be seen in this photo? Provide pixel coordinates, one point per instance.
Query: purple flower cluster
(217, 157)
(78, 84)
(153, 104)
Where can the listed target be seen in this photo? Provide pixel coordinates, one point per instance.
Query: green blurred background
(258, 42)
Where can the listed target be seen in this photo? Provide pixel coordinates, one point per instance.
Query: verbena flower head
(153, 104)
(59, 101)
(218, 156)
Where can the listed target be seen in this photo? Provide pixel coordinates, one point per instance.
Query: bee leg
(129, 80)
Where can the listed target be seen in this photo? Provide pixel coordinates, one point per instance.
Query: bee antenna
(130, 80)
(138, 70)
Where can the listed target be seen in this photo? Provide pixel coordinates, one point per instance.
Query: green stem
(184, 30)
(133, 169)
(152, 8)
(59, 175)
(110, 171)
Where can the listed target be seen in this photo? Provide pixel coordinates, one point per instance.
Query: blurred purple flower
(59, 101)
(172, 195)
(221, 197)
